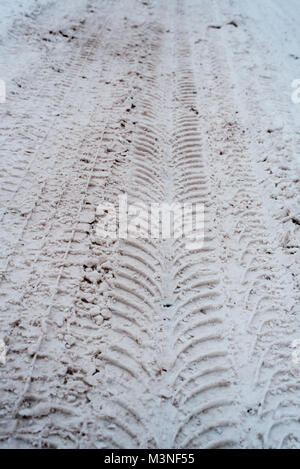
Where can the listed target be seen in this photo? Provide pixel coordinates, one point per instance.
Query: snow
(141, 343)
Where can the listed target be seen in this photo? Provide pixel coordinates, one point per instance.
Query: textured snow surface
(141, 343)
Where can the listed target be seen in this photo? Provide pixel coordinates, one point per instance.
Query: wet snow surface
(141, 343)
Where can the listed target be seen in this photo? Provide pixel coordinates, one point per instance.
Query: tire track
(40, 398)
(260, 303)
(270, 118)
(41, 206)
(70, 80)
(165, 348)
(201, 385)
(128, 357)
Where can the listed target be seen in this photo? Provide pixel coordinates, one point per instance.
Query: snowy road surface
(143, 343)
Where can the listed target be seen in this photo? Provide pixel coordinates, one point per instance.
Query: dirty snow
(141, 343)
